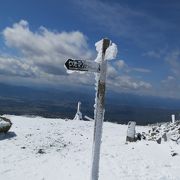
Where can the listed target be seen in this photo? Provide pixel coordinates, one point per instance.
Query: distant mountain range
(120, 108)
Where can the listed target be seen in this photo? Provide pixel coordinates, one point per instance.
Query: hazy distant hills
(62, 103)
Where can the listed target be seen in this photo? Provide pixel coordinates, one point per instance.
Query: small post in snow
(78, 115)
(131, 131)
(99, 112)
(173, 118)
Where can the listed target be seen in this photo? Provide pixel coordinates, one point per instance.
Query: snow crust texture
(45, 149)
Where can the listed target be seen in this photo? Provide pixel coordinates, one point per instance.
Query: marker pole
(99, 112)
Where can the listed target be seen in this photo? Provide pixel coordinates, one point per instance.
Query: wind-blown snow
(98, 46)
(111, 51)
(66, 148)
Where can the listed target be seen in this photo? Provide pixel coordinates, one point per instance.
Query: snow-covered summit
(49, 149)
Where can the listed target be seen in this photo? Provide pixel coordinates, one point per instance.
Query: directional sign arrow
(82, 65)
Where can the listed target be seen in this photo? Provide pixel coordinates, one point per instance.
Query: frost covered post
(173, 118)
(106, 51)
(99, 110)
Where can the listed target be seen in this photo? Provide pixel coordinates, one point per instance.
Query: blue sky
(38, 36)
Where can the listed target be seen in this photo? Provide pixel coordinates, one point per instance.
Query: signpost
(100, 68)
(99, 112)
(82, 65)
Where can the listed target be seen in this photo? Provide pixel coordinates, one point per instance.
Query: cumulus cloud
(111, 72)
(13, 66)
(46, 49)
(42, 55)
(119, 77)
(120, 64)
(128, 83)
(45, 42)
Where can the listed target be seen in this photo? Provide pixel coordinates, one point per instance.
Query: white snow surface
(68, 149)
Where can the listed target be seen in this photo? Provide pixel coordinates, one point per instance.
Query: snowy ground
(49, 149)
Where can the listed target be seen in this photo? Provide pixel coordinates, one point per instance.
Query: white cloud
(43, 54)
(119, 77)
(128, 83)
(141, 70)
(16, 67)
(111, 71)
(46, 42)
(46, 49)
(173, 58)
(120, 64)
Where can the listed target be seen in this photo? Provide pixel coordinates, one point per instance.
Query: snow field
(46, 149)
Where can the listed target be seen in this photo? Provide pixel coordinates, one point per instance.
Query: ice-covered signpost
(106, 51)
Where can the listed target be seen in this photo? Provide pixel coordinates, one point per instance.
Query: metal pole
(99, 113)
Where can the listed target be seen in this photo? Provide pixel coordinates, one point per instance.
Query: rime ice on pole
(71, 72)
(98, 60)
(111, 53)
(99, 50)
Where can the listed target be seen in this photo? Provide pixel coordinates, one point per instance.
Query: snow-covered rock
(5, 125)
(169, 131)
